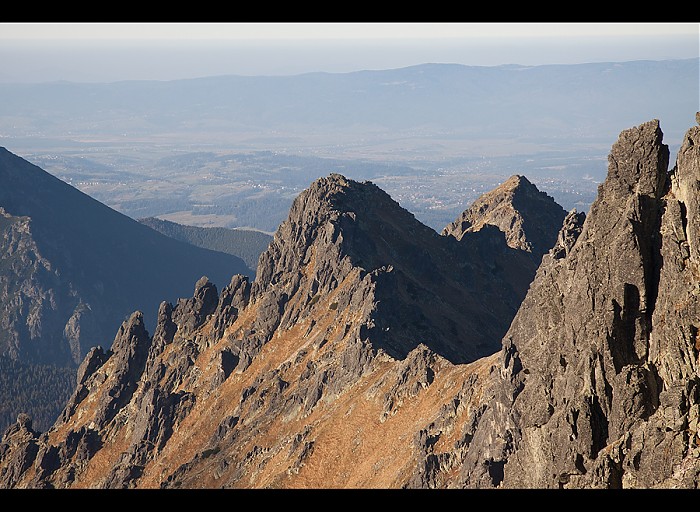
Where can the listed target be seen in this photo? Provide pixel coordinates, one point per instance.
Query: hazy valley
(235, 151)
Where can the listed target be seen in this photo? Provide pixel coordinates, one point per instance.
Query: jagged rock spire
(599, 371)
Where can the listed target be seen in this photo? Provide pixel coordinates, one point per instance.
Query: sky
(95, 52)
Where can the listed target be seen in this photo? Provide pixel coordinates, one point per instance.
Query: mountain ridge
(351, 286)
(386, 242)
(596, 384)
(275, 385)
(462, 98)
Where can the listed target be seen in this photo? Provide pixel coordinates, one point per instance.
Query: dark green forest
(246, 244)
(41, 391)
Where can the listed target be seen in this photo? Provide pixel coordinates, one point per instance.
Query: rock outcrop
(319, 375)
(605, 338)
(597, 382)
(516, 207)
(406, 283)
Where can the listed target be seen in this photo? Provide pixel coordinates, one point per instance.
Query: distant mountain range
(535, 103)
(234, 151)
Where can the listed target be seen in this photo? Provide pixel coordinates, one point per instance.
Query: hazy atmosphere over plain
(96, 52)
(224, 124)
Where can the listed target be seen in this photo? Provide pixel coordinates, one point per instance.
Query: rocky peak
(598, 372)
(610, 282)
(127, 360)
(192, 312)
(352, 236)
(529, 217)
(336, 211)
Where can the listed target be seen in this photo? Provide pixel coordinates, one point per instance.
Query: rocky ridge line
(597, 382)
(301, 377)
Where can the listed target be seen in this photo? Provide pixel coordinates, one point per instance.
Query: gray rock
(599, 366)
(192, 312)
(528, 217)
(18, 450)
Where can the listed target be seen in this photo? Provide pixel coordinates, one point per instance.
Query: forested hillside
(247, 244)
(42, 389)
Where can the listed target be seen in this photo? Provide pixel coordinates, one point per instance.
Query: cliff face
(590, 379)
(318, 374)
(32, 292)
(596, 384)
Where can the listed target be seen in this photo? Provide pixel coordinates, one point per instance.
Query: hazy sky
(239, 31)
(165, 51)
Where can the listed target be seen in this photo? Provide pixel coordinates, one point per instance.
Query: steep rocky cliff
(597, 382)
(318, 374)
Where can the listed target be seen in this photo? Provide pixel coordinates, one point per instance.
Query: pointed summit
(358, 218)
(455, 298)
(529, 218)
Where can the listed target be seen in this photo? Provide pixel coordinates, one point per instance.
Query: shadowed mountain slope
(247, 244)
(72, 269)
